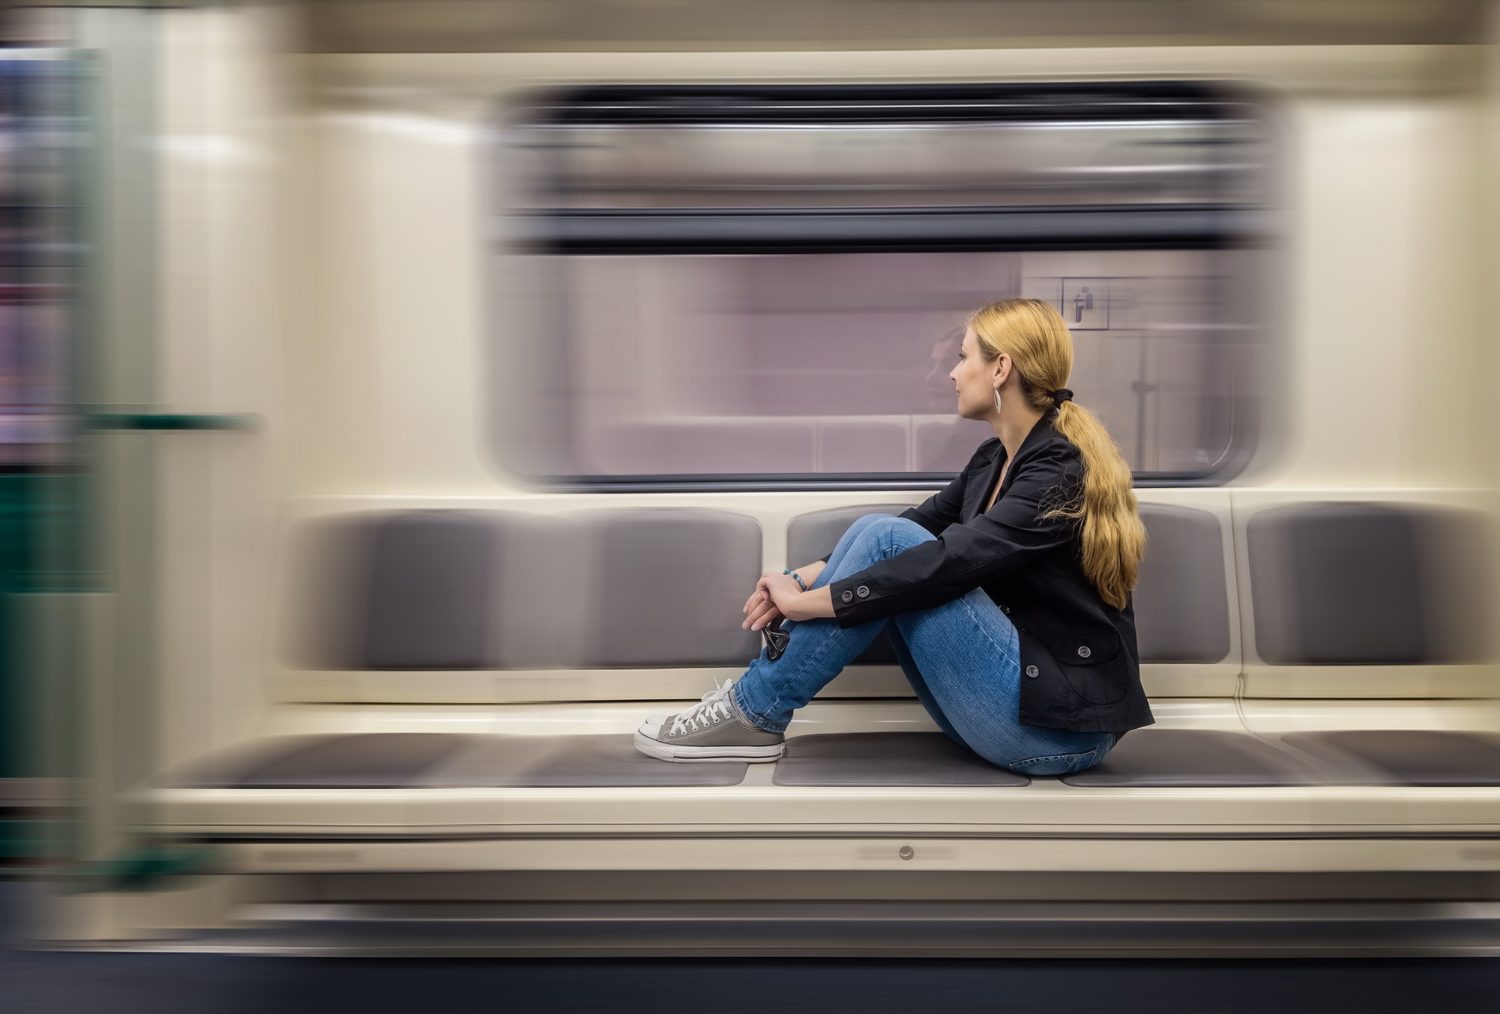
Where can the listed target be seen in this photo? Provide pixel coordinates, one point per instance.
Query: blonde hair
(1035, 337)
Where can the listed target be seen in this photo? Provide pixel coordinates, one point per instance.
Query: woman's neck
(1013, 423)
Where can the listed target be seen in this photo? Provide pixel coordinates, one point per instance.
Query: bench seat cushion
(1182, 758)
(401, 760)
(585, 761)
(885, 759)
(381, 760)
(1405, 756)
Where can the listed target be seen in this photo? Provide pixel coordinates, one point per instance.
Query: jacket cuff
(850, 607)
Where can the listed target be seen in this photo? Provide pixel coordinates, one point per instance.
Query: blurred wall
(319, 212)
(1383, 278)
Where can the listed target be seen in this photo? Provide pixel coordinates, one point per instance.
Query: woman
(1007, 594)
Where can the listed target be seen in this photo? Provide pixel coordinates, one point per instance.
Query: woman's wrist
(811, 572)
(789, 572)
(810, 605)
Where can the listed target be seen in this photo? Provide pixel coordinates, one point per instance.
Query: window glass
(767, 284)
(837, 364)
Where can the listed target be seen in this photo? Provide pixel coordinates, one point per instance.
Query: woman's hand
(778, 595)
(767, 603)
(760, 610)
(775, 596)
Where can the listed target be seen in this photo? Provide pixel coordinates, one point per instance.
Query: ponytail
(1114, 540)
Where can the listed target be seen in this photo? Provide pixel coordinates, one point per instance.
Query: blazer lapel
(1038, 436)
(977, 495)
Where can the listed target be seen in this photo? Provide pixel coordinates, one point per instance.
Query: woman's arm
(1019, 528)
(792, 601)
(779, 594)
(761, 611)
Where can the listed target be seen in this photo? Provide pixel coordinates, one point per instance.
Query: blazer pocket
(1084, 660)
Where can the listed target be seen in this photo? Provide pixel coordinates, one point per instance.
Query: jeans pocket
(1059, 763)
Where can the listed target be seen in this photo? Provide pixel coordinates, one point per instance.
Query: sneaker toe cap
(652, 726)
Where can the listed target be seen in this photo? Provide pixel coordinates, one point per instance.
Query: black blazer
(1079, 663)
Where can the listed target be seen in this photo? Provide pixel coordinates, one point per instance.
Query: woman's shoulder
(1051, 446)
(1054, 455)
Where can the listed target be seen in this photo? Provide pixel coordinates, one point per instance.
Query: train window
(715, 295)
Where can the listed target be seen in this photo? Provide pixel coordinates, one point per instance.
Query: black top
(1080, 667)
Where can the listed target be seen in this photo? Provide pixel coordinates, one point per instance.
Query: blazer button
(863, 591)
(1032, 672)
(848, 596)
(1083, 651)
(1005, 610)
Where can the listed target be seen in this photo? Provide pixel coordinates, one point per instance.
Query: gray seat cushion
(379, 760)
(1152, 758)
(323, 602)
(394, 590)
(571, 761)
(886, 759)
(431, 592)
(1404, 756)
(1369, 584)
(1182, 601)
(668, 587)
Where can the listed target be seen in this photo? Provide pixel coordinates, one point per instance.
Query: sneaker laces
(714, 707)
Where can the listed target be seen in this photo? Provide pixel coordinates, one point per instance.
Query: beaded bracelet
(796, 577)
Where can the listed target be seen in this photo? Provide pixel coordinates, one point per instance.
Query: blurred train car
(460, 366)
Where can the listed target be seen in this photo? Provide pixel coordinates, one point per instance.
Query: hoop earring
(997, 399)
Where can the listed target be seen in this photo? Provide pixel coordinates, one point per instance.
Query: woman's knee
(871, 538)
(857, 529)
(888, 530)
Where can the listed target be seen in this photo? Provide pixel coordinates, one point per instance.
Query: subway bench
(1318, 667)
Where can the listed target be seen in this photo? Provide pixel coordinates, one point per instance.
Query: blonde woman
(1007, 593)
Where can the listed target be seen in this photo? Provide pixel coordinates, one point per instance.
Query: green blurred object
(157, 421)
(41, 549)
(147, 868)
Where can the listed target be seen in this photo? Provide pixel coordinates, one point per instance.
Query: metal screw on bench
(906, 852)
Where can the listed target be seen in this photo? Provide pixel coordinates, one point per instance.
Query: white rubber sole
(690, 754)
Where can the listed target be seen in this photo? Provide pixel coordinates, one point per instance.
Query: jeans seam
(784, 682)
(1075, 756)
(756, 720)
(983, 629)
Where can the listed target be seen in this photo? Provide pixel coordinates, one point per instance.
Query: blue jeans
(963, 659)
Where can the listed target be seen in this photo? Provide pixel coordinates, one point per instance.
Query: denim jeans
(962, 658)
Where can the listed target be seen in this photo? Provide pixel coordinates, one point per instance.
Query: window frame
(555, 234)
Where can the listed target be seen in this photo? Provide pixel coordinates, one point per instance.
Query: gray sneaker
(711, 730)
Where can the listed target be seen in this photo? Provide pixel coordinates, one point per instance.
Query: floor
(42, 981)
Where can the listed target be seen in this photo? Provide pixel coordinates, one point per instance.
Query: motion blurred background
(388, 249)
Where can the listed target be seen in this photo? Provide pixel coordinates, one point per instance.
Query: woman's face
(975, 379)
